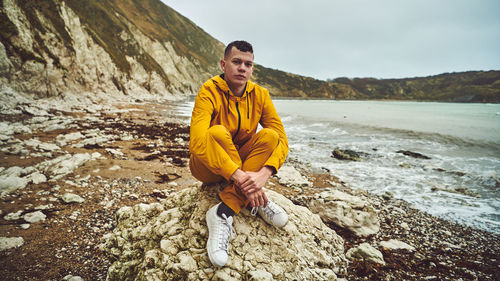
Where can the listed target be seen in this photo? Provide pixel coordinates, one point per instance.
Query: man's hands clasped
(251, 183)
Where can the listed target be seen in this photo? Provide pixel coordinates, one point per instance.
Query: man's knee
(218, 132)
(269, 137)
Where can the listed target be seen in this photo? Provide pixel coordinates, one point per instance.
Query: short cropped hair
(241, 45)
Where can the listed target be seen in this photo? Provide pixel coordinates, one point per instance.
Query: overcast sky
(354, 38)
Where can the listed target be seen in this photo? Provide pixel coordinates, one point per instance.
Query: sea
(460, 180)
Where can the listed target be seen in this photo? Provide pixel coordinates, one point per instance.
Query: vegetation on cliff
(471, 86)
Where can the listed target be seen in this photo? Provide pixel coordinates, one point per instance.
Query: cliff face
(53, 47)
(143, 47)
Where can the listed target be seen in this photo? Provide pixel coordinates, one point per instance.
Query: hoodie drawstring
(248, 108)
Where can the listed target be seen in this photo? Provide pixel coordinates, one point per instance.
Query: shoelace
(270, 211)
(224, 239)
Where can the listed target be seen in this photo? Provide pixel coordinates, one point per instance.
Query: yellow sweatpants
(251, 156)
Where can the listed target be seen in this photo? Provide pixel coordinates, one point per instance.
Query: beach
(77, 166)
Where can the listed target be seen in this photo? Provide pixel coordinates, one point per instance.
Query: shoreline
(149, 148)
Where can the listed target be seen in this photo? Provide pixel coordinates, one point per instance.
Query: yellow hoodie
(216, 105)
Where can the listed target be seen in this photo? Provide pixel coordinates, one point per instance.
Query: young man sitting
(225, 145)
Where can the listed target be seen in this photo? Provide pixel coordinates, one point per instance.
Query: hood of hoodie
(222, 86)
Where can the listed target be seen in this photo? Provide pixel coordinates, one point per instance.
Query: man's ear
(223, 65)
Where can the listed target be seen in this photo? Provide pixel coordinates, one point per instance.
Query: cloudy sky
(382, 39)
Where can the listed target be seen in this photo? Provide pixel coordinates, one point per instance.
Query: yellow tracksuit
(224, 136)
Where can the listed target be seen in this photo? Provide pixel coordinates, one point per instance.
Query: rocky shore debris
(166, 241)
(413, 154)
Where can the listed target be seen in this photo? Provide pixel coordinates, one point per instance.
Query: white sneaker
(219, 232)
(272, 214)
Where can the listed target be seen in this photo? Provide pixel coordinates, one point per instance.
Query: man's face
(237, 67)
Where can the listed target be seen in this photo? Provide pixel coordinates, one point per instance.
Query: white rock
(44, 207)
(73, 278)
(405, 226)
(72, 198)
(11, 183)
(289, 176)
(346, 211)
(10, 242)
(260, 275)
(34, 217)
(25, 225)
(57, 124)
(393, 244)
(366, 252)
(74, 215)
(48, 146)
(305, 249)
(187, 262)
(63, 140)
(32, 142)
(115, 153)
(37, 178)
(115, 168)
(96, 140)
(13, 216)
(127, 138)
(96, 155)
(63, 165)
(12, 171)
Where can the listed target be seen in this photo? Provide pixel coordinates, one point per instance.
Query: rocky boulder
(365, 252)
(344, 210)
(167, 241)
(289, 176)
(413, 154)
(347, 154)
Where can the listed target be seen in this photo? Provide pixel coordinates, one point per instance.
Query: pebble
(10, 242)
(367, 252)
(74, 215)
(396, 244)
(34, 217)
(72, 198)
(13, 216)
(405, 226)
(73, 278)
(44, 207)
(114, 168)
